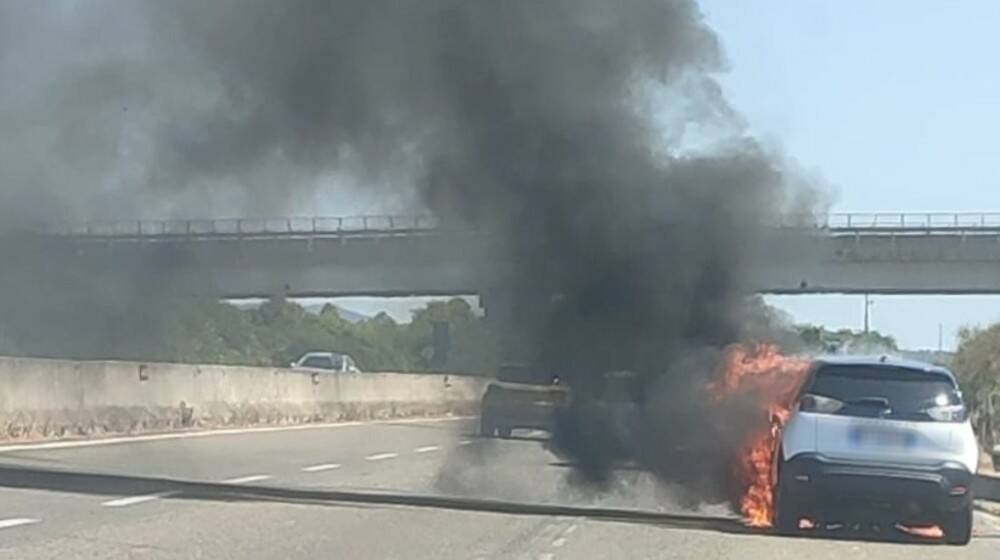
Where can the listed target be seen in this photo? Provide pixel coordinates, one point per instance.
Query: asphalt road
(408, 490)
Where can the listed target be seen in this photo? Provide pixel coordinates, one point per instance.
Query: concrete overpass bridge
(880, 253)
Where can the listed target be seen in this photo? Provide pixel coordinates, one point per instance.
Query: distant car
(507, 407)
(520, 399)
(882, 439)
(326, 360)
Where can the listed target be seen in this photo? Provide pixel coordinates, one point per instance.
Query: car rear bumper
(815, 481)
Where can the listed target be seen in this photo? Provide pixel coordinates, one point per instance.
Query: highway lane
(379, 490)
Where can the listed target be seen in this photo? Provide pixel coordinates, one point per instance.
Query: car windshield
(891, 392)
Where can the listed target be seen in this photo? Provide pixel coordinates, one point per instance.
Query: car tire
(958, 526)
(486, 428)
(504, 432)
(787, 510)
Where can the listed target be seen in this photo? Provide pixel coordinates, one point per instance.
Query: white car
(331, 361)
(877, 443)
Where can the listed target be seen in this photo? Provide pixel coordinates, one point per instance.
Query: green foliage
(199, 330)
(977, 365)
(977, 361)
(845, 341)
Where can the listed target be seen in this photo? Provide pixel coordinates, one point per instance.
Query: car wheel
(958, 526)
(504, 432)
(787, 510)
(486, 428)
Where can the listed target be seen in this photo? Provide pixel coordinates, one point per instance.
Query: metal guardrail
(389, 224)
(254, 226)
(911, 220)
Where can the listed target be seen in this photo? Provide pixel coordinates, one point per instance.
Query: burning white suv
(877, 443)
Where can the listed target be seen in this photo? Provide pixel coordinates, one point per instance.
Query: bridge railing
(911, 220)
(399, 224)
(254, 226)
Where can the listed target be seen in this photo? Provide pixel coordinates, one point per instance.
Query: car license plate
(874, 437)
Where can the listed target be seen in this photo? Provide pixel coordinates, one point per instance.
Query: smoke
(589, 138)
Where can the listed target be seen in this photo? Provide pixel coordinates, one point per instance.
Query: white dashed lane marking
(558, 543)
(465, 442)
(246, 479)
(133, 500)
(321, 468)
(17, 522)
(382, 456)
(427, 449)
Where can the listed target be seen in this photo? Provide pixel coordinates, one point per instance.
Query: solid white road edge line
(209, 433)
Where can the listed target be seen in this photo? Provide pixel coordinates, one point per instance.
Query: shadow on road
(118, 485)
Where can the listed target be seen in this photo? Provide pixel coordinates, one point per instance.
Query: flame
(771, 379)
(927, 532)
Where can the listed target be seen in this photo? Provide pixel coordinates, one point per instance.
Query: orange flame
(771, 380)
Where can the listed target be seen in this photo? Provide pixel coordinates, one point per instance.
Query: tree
(977, 365)
(845, 341)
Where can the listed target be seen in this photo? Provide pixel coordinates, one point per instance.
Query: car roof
(321, 354)
(888, 361)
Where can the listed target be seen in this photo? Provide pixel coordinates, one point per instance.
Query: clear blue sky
(895, 103)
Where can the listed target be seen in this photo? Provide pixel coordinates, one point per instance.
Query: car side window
(318, 362)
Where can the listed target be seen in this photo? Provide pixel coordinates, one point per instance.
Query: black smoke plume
(588, 138)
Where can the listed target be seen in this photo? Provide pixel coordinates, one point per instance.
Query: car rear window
(909, 393)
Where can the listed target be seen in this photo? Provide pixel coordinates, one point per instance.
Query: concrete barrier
(42, 399)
